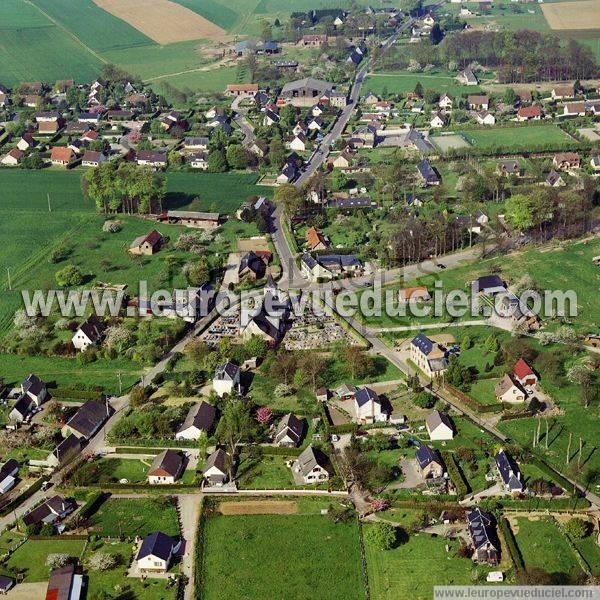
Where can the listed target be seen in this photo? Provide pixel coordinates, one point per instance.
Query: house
(509, 473)
(367, 407)
(52, 510)
(315, 124)
(48, 127)
(35, 389)
(89, 333)
(467, 77)
(574, 109)
(438, 120)
(342, 160)
(286, 66)
(525, 96)
(595, 162)
(88, 419)
(482, 533)
(304, 92)
(288, 173)
(91, 158)
(509, 389)
(564, 161)
(197, 160)
(351, 203)
(370, 98)
(311, 466)
(151, 158)
(418, 293)
(478, 102)
(21, 409)
(429, 462)
(251, 266)
(563, 92)
(242, 90)
(226, 379)
(298, 143)
(313, 40)
(66, 451)
(346, 392)
(215, 468)
(62, 156)
(166, 468)
(439, 426)
(524, 373)
(156, 553)
(196, 143)
(192, 219)
(315, 240)
(64, 584)
(289, 432)
(147, 244)
(93, 118)
(529, 113)
(13, 158)
(27, 142)
(488, 285)
(483, 117)
(554, 179)
(446, 101)
(200, 418)
(8, 475)
(172, 119)
(428, 355)
(427, 174)
(509, 167)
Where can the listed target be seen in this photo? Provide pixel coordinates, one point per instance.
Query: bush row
(511, 543)
(455, 474)
(75, 394)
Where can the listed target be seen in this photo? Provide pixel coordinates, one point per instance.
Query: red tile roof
(522, 369)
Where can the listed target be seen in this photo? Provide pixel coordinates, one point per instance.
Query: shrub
(381, 535)
(577, 528)
(57, 560)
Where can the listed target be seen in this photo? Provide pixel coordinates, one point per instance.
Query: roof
(507, 382)
(61, 154)
(436, 418)
(566, 156)
(311, 458)
(201, 416)
(8, 467)
(69, 444)
(193, 215)
(427, 172)
(522, 369)
(488, 282)
(218, 460)
(423, 343)
(227, 372)
(426, 455)
(152, 156)
(242, 87)
(529, 112)
(153, 238)
(89, 418)
(168, 461)
(307, 83)
(92, 156)
(93, 328)
(33, 385)
(22, 405)
(60, 583)
(481, 528)
(366, 395)
(478, 99)
(352, 202)
(292, 426)
(314, 238)
(508, 471)
(156, 544)
(564, 90)
(16, 153)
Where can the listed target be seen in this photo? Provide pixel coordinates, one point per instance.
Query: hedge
(511, 543)
(280, 451)
(455, 474)
(92, 504)
(75, 394)
(32, 489)
(154, 443)
(122, 450)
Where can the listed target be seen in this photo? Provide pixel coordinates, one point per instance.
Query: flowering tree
(264, 415)
(380, 504)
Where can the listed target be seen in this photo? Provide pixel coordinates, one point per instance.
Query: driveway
(189, 514)
(28, 591)
(412, 479)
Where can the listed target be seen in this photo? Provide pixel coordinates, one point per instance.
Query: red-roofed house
(147, 244)
(524, 373)
(13, 158)
(528, 113)
(62, 156)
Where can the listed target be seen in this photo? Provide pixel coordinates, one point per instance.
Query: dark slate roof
(427, 172)
(5, 583)
(217, 459)
(33, 384)
(508, 471)
(60, 583)
(201, 416)
(488, 281)
(308, 260)
(69, 444)
(169, 461)
(310, 458)
(481, 528)
(23, 405)
(93, 328)
(8, 467)
(426, 455)
(365, 395)
(292, 426)
(89, 418)
(423, 343)
(156, 544)
(227, 371)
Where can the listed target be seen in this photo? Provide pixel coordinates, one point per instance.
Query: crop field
(320, 558)
(516, 138)
(161, 20)
(582, 14)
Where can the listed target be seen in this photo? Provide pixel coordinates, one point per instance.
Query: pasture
(401, 82)
(524, 138)
(320, 558)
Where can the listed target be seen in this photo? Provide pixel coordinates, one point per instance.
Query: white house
(438, 120)
(310, 467)
(508, 389)
(367, 407)
(485, 118)
(166, 468)
(439, 426)
(89, 334)
(298, 143)
(35, 388)
(226, 379)
(13, 158)
(156, 552)
(428, 355)
(199, 418)
(446, 101)
(215, 468)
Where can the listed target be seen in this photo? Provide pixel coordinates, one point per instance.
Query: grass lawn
(589, 550)
(265, 473)
(136, 517)
(241, 554)
(412, 569)
(32, 555)
(400, 82)
(110, 581)
(483, 391)
(516, 138)
(543, 545)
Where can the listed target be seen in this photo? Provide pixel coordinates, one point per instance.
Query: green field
(524, 138)
(280, 556)
(543, 546)
(412, 569)
(401, 82)
(220, 13)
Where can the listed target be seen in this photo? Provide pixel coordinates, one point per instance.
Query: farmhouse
(226, 379)
(87, 420)
(509, 472)
(193, 219)
(563, 92)
(524, 373)
(428, 355)
(486, 548)
(215, 468)
(13, 158)
(200, 418)
(34, 388)
(367, 407)
(62, 156)
(166, 468)
(563, 161)
(313, 40)
(156, 552)
(467, 77)
(147, 244)
(89, 333)
(289, 432)
(508, 389)
(439, 426)
(478, 102)
(429, 463)
(311, 466)
(304, 92)
(243, 90)
(574, 109)
(529, 113)
(484, 117)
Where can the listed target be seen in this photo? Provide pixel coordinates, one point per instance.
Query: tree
(289, 198)
(118, 338)
(358, 362)
(419, 89)
(198, 272)
(256, 346)
(103, 561)
(510, 96)
(424, 400)
(311, 365)
(137, 396)
(276, 153)
(237, 157)
(234, 427)
(264, 414)
(217, 162)
(57, 560)
(577, 528)
(69, 276)
(381, 535)
(436, 35)
(519, 212)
